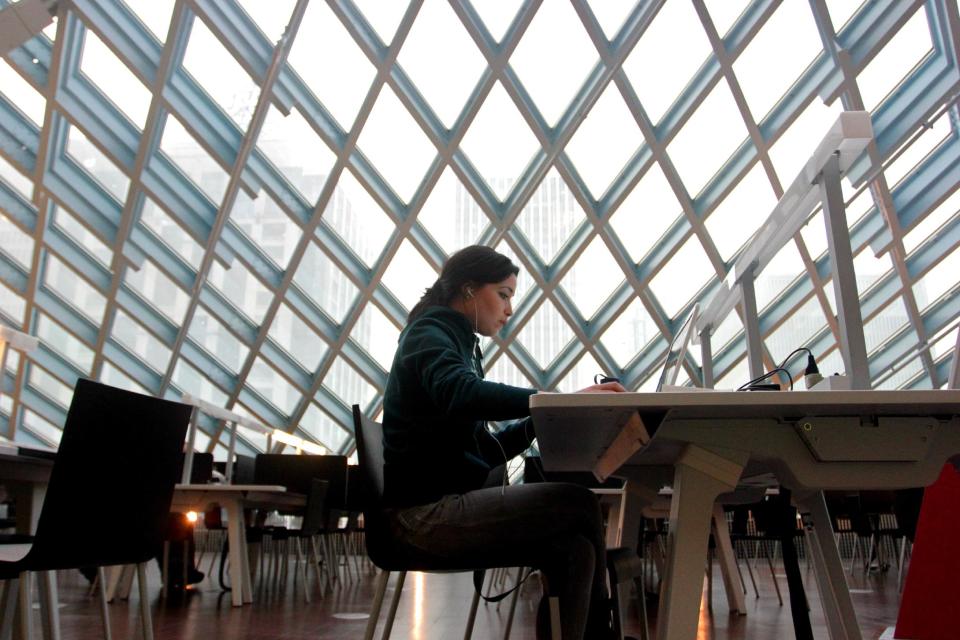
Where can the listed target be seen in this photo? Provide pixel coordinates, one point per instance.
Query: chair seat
(14, 552)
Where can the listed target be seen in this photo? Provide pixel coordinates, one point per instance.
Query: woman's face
(490, 306)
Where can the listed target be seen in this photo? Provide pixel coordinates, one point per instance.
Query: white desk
(234, 498)
(812, 441)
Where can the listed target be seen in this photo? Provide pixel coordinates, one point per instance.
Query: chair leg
(49, 608)
(468, 632)
(513, 602)
(104, 612)
(555, 632)
(381, 589)
(302, 569)
(392, 612)
(146, 619)
(773, 575)
(26, 608)
(8, 607)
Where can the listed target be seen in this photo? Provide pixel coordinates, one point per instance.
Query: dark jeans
(551, 526)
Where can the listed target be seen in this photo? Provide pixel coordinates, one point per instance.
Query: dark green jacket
(434, 412)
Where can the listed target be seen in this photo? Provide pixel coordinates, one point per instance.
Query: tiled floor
(433, 606)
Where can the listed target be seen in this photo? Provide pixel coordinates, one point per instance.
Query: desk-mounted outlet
(873, 439)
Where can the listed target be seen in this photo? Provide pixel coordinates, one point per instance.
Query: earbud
(468, 293)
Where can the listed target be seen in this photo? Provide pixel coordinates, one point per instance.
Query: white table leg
(239, 572)
(700, 476)
(728, 561)
(831, 579)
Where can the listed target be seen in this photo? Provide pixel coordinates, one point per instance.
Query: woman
(438, 452)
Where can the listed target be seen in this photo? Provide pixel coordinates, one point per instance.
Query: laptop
(677, 350)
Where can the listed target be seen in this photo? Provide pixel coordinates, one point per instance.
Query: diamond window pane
(782, 270)
(550, 216)
(344, 381)
(553, 58)
(444, 80)
(331, 63)
(545, 334)
(525, 282)
(256, 439)
(269, 384)
(505, 371)
(729, 328)
(408, 275)
(103, 170)
(797, 329)
(497, 15)
(676, 58)
(171, 233)
(272, 17)
(15, 243)
(605, 141)
(734, 376)
(21, 93)
(581, 376)
(451, 215)
(114, 377)
(12, 304)
(841, 11)
(220, 75)
(188, 380)
(297, 338)
(685, 274)
(797, 144)
(870, 268)
(904, 50)
(266, 224)
(319, 426)
(196, 164)
(324, 283)
(377, 335)
(724, 13)
(611, 14)
(114, 78)
(938, 280)
(646, 214)
(139, 341)
(57, 338)
(12, 177)
(211, 334)
(814, 234)
(499, 143)
(742, 212)
(628, 334)
(592, 278)
(241, 288)
(297, 151)
(89, 242)
(158, 290)
(43, 429)
(935, 134)
(357, 218)
(777, 56)
(155, 15)
(929, 225)
(384, 17)
(391, 127)
(888, 322)
(72, 288)
(49, 386)
(712, 134)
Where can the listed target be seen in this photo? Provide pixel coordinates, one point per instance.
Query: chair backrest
(112, 481)
(297, 472)
(369, 439)
(201, 470)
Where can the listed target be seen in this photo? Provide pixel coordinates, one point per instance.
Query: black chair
(297, 473)
(383, 552)
(119, 450)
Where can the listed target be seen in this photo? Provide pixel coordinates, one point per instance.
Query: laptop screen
(678, 349)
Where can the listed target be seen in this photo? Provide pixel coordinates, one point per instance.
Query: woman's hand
(606, 386)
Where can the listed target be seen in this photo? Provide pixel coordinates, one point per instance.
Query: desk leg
(728, 561)
(700, 477)
(236, 535)
(831, 579)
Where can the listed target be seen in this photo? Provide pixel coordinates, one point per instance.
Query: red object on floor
(928, 607)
